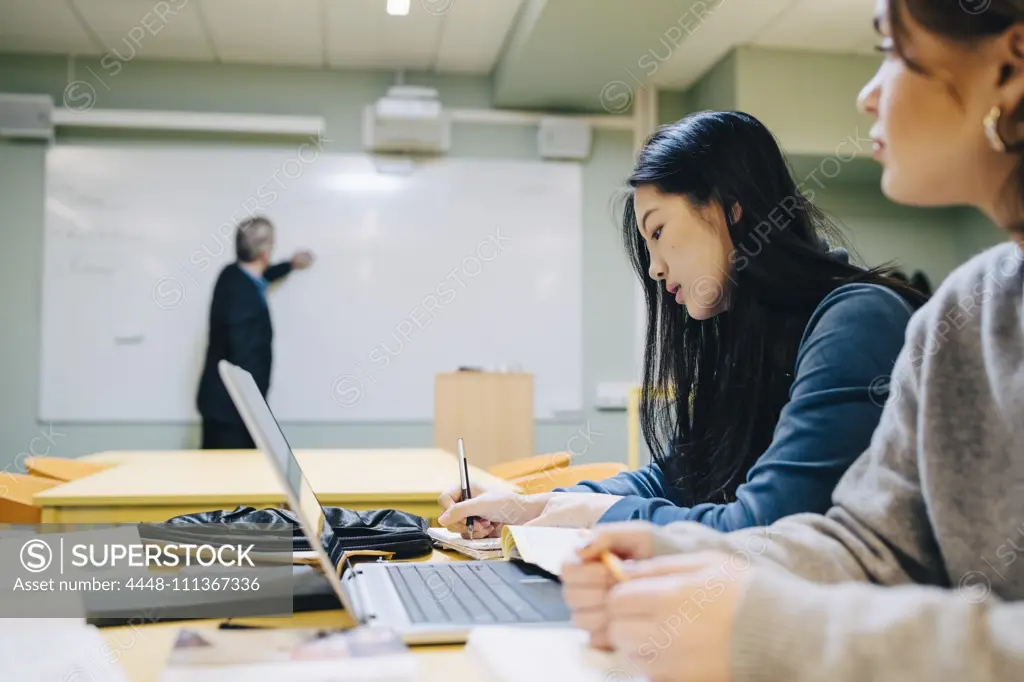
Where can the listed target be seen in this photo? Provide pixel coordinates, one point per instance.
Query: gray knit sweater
(917, 572)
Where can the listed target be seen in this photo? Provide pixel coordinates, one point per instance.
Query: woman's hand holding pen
(491, 509)
(496, 508)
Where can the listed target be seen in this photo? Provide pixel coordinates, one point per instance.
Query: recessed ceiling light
(399, 8)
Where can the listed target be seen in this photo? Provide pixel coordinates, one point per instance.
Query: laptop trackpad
(538, 587)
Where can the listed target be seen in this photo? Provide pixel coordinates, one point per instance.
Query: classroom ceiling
(825, 26)
(453, 36)
(543, 53)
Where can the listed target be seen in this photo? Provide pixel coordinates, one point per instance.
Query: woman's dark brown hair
(964, 21)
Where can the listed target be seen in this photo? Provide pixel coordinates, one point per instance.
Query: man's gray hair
(252, 237)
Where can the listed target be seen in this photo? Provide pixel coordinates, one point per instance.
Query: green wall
(338, 97)
(673, 105)
(880, 231)
(977, 233)
(716, 90)
(807, 116)
(808, 101)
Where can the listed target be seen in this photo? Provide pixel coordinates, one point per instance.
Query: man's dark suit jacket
(241, 333)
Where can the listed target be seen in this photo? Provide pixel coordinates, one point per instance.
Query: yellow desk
(143, 650)
(155, 486)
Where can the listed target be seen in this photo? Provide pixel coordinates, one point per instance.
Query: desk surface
(170, 477)
(155, 486)
(143, 650)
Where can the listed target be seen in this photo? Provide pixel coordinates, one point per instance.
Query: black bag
(386, 530)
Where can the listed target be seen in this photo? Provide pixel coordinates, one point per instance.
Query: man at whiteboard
(241, 331)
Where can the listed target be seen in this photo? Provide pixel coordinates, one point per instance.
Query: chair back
(16, 493)
(546, 481)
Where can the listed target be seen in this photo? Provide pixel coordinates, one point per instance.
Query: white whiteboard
(136, 236)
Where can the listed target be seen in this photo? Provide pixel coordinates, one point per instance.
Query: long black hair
(728, 377)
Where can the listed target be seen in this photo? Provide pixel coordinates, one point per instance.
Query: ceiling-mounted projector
(408, 119)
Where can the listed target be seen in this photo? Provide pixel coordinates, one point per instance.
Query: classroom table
(157, 485)
(142, 650)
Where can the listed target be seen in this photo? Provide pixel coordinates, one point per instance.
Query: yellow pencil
(614, 566)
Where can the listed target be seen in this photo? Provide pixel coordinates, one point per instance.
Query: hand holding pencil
(587, 584)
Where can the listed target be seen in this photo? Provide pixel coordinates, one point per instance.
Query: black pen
(464, 480)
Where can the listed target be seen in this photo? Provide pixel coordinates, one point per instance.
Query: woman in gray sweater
(917, 571)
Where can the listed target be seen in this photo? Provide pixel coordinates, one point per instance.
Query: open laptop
(425, 602)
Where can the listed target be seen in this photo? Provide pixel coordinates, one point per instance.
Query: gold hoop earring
(991, 123)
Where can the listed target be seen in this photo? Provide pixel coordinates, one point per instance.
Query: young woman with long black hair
(768, 353)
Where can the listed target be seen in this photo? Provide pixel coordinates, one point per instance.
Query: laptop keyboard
(471, 592)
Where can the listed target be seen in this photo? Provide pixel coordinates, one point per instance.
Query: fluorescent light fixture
(399, 8)
(266, 124)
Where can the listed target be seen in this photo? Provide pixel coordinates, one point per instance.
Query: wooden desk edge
(49, 498)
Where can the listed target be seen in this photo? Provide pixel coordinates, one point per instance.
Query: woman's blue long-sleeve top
(840, 385)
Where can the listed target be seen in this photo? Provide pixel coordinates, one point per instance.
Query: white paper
(548, 547)
(455, 540)
(385, 669)
(513, 654)
(45, 624)
(66, 654)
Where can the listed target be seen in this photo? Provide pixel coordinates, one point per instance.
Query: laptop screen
(266, 429)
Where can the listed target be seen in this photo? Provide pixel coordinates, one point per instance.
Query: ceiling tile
(360, 34)
(706, 39)
(42, 26)
(266, 31)
(833, 26)
(172, 29)
(474, 34)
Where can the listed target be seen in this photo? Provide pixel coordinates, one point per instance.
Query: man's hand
(302, 260)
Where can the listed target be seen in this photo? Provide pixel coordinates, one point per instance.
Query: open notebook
(545, 547)
(546, 655)
(484, 548)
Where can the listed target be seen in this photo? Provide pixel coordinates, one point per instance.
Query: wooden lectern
(491, 411)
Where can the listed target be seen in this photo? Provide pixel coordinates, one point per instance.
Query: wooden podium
(491, 411)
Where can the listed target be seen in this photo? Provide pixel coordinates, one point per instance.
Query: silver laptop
(425, 602)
